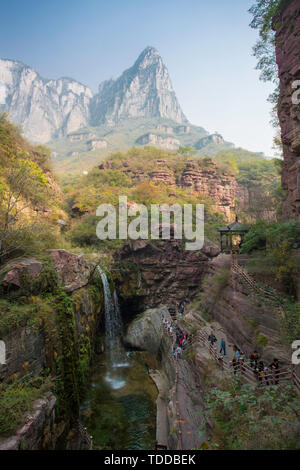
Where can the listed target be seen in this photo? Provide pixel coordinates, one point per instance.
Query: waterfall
(113, 321)
(113, 326)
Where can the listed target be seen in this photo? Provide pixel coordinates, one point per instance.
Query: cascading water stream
(116, 356)
(119, 411)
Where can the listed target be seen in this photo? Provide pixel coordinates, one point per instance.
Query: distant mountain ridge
(50, 109)
(139, 108)
(46, 109)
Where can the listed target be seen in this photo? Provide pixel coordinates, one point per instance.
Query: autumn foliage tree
(23, 189)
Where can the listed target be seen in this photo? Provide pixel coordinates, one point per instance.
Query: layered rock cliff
(220, 186)
(206, 179)
(287, 57)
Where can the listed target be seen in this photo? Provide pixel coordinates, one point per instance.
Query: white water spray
(113, 333)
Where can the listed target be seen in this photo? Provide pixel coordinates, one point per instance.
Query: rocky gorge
(108, 343)
(178, 396)
(34, 348)
(151, 279)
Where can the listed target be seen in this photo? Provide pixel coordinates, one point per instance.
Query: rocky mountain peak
(144, 90)
(50, 109)
(147, 56)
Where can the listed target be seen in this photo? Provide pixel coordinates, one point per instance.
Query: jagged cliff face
(287, 57)
(49, 109)
(158, 273)
(144, 90)
(221, 187)
(45, 108)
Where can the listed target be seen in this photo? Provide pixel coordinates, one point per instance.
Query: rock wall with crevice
(63, 342)
(152, 273)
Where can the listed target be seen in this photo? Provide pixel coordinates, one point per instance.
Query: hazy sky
(207, 47)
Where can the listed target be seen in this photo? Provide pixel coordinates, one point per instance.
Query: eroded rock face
(25, 353)
(144, 90)
(38, 431)
(28, 349)
(160, 273)
(45, 108)
(220, 187)
(49, 109)
(165, 142)
(32, 348)
(137, 175)
(210, 139)
(287, 58)
(163, 175)
(73, 271)
(15, 270)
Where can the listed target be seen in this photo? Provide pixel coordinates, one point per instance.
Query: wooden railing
(241, 367)
(266, 292)
(270, 377)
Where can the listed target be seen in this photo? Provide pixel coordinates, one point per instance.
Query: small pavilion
(232, 235)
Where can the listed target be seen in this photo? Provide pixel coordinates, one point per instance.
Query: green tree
(24, 188)
(186, 151)
(264, 13)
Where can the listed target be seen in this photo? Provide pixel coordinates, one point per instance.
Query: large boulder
(73, 271)
(14, 271)
(145, 332)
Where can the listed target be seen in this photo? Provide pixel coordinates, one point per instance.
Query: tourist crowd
(181, 338)
(265, 374)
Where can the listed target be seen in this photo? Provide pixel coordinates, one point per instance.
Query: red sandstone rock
(72, 270)
(17, 268)
(222, 188)
(287, 58)
(163, 175)
(166, 274)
